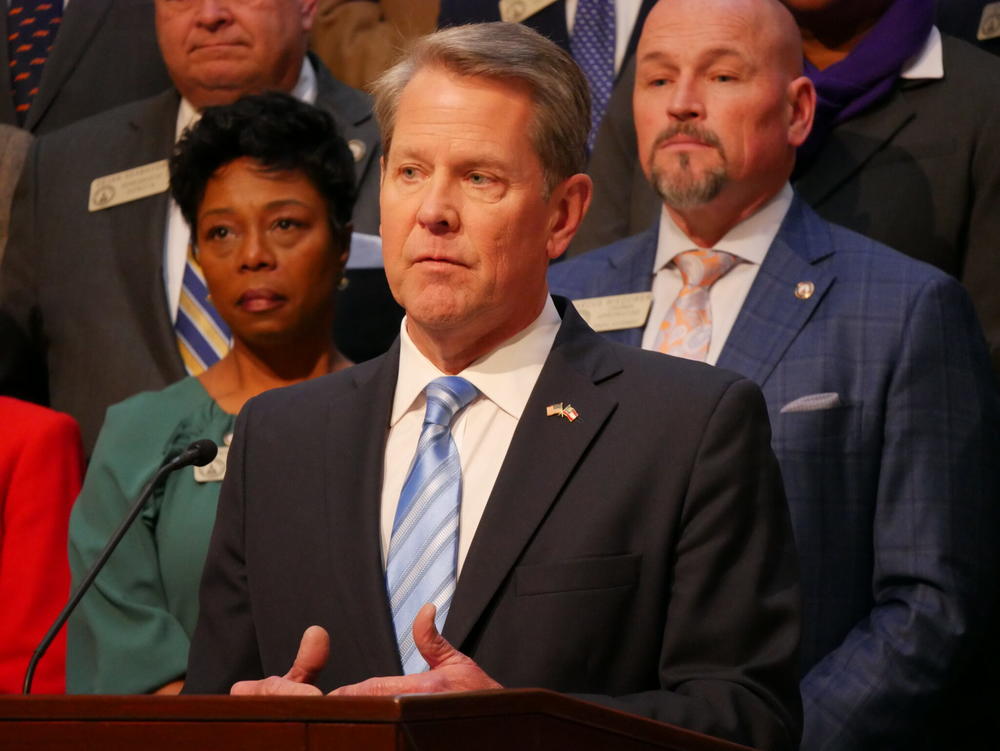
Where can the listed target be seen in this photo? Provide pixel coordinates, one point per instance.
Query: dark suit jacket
(87, 287)
(963, 19)
(14, 145)
(893, 493)
(920, 172)
(668, 584)
(105, 54)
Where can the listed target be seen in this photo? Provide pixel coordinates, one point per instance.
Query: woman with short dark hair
(266, 185)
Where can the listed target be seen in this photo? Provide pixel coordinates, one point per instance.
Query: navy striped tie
(423, 552)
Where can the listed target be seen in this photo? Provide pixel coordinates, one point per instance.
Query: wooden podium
(523, 719)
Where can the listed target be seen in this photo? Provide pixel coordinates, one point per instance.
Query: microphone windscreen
(204, 452)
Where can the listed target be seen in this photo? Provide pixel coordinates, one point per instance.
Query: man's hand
(314, 650)
(450, 670)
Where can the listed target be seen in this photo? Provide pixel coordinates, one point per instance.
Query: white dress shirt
(626, 12)
(177, 235)
(748, 241)
(482, 431)
(929, 62)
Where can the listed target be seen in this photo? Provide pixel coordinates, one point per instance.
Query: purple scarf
(869, 73)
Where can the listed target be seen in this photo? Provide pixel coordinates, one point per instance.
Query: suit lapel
(852, 145)
(634, 264)
(137, 231)
(353, 502)
(350, 109)
(542, 455)
(79, 23)
(773, 314)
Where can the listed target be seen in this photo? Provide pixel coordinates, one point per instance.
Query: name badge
(129, 185)
(615, 312)
(989, 24)
(215, 471)
(516, 11)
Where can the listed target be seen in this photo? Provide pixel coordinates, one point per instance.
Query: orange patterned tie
(31, 30)
(687, 328)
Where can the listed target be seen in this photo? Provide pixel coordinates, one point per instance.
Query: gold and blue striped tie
(202, 336)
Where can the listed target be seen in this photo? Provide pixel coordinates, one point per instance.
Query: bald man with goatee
(873, 366)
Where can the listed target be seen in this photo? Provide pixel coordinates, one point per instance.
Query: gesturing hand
(314, 650)
(450, 670)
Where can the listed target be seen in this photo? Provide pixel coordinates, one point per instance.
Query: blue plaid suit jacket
(893, 493)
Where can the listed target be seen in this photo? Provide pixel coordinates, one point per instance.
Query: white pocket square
(812, 403)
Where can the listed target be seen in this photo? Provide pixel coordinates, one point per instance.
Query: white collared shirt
(177, 235)
(748, 241)
(929, 62)
(626, 13)
(482, 431)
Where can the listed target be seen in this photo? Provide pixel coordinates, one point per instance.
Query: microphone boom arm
(201, 453)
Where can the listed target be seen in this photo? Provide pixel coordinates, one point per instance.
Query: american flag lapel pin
(566, 411)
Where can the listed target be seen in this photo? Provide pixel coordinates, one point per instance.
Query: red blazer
(41, 467)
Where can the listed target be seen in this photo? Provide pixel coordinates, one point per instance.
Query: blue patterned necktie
(593, 46)
(31, 31)
(423, 551)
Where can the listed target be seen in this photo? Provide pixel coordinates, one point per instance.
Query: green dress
(132, 630)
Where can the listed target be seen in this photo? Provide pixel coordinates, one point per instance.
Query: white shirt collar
(305, 90)
(748, 240)
(929, 62)
(505, 376)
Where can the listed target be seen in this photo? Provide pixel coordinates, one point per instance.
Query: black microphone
(199, 453)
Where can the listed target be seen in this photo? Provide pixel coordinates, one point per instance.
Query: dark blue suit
(893, 492)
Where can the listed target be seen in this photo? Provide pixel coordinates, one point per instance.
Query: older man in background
(97, 272)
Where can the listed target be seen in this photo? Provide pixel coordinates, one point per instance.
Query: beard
(677, 184)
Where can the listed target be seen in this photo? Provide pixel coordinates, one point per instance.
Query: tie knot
(446, 396)
(703, 268)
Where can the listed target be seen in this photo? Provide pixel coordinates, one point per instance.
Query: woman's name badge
(615, 312)
(215, 471)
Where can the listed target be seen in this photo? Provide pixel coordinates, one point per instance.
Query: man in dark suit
(665, 587)
(892, 172)
(97, 289)
(872, 365)
(104, 55)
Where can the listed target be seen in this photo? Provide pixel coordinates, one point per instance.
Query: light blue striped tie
(423, 551)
